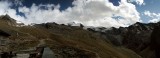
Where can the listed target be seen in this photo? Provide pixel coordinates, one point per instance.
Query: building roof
(47, 53)
(3, 33)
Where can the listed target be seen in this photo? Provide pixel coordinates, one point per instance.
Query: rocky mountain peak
(139, 26)
(6, 19)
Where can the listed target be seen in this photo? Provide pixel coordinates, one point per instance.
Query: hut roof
(47, 53)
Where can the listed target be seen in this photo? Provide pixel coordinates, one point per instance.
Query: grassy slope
(58, 37)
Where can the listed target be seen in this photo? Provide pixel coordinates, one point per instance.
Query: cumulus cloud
(88, 12)
(139, 2)
(155, 17)
(148, 13)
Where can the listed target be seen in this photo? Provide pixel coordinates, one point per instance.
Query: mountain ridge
(76, 42)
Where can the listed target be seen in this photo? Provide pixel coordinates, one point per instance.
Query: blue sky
(63, 3)
(151, 5)
(108, 13)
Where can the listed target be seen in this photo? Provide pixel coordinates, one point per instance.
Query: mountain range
(140, 40)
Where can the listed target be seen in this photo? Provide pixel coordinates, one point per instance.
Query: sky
(98, 13)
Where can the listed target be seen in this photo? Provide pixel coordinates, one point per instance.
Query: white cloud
(89, 13)
(155, 17)
(147, 13)
(5, 9)
(154, 20)
(139, 2)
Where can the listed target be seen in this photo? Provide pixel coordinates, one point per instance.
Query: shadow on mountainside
(155, 41)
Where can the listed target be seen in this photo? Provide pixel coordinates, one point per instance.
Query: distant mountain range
(140, 40)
